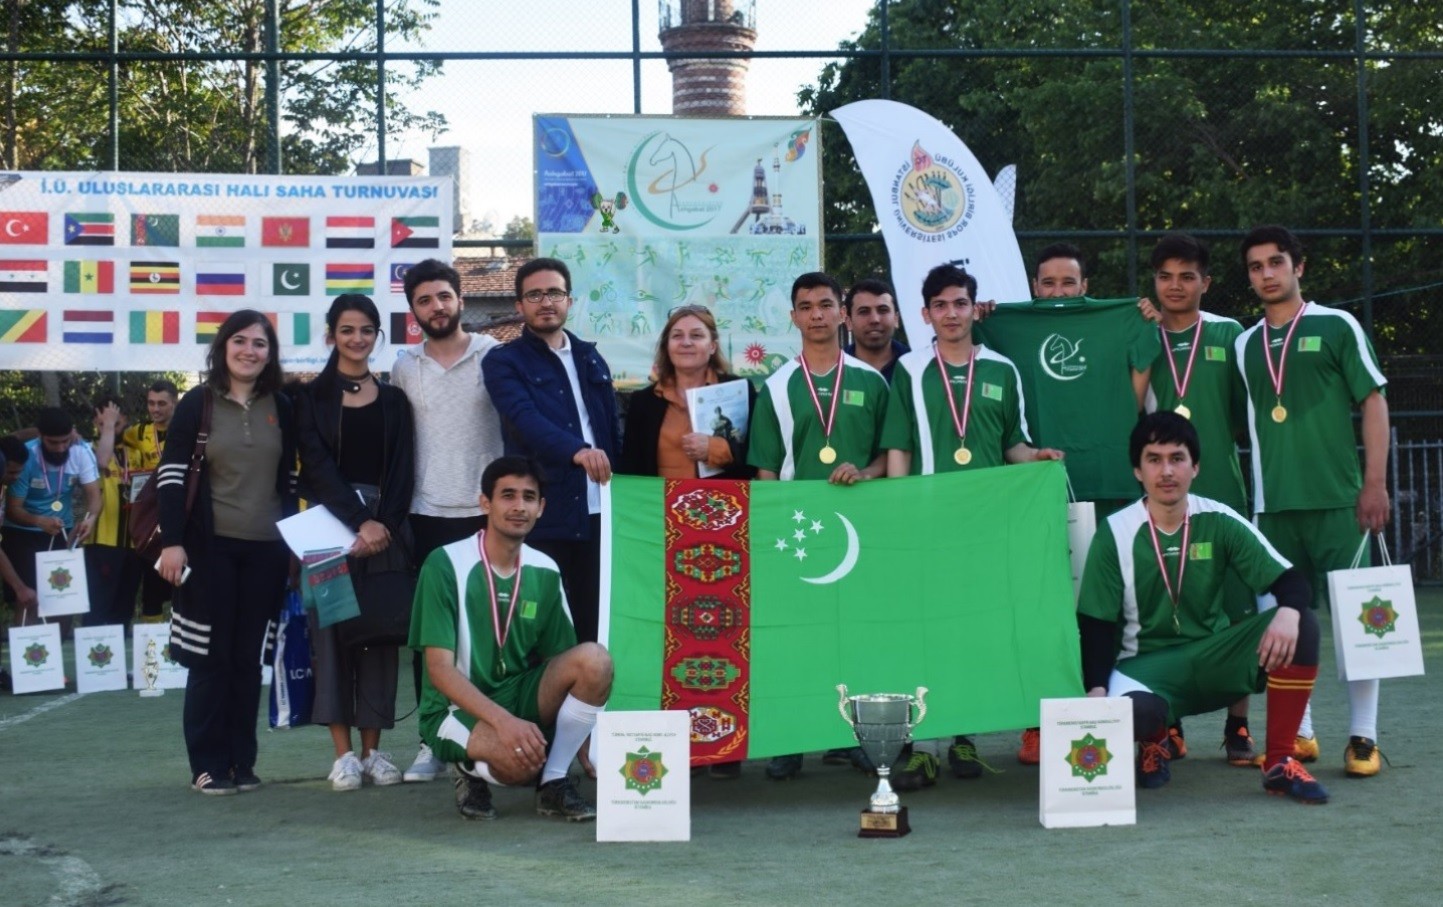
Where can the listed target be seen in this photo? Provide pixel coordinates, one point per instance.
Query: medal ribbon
(959, 424)
(496, 629)
(1173, 595)
(1277, 374)
(1181, 385)
(59, 479)
(831, 416)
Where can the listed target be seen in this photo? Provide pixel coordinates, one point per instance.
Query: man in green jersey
(818, 417)
(1194, 376)
(504, 675)
(1306, 367)
(955, 405)
(1150, 613)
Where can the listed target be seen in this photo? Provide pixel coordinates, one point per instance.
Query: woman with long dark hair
(226, 557)
(357, 441)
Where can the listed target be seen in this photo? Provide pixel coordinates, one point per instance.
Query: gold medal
(828, 455)
(56, 506)
(1182, 410)
(963, 456)
(1280, 413)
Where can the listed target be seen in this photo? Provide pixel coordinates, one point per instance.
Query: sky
(489, 104)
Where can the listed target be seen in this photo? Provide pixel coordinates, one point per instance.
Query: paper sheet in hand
(315, 529)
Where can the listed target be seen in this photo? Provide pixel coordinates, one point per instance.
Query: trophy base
(148, 694)
(884, 825)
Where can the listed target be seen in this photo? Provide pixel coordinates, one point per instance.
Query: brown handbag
(145, 509)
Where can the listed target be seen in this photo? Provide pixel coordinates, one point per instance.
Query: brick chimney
(708, 87)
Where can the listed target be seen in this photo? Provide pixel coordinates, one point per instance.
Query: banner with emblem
(652, 213)
(134, 271)
(746, 604)
(934, 203)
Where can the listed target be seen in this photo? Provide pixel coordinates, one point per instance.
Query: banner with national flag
(155, 229)
(226, 278)
(84, 326)
(91, 229)
(90, 277)
(405, 328)
(746, 604)
(350, 232)
(24, 275)
(154, 327)
(292, 328)
(290, 279)
(286, 232)
(398, 276)
(207, 325)
(357, 277)
(27, 228)
(220, 231)
(415, 232)
(154, 277)
(22, 326)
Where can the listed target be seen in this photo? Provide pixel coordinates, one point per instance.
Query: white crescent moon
(10, 226)
(286, 283)
(854, 549)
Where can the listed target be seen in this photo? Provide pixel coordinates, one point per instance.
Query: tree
(520, 227)
(1221, 142)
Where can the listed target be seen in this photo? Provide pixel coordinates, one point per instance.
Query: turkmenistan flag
(747, 604)
(155, 229)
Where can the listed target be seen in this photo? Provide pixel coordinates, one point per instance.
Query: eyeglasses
(553, 296)
(692, 309)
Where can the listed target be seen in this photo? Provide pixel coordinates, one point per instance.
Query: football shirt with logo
(919, 419)
(1076, 357)
(1309, 461)
(1216, 399)
(787, 436)
(1123, 584)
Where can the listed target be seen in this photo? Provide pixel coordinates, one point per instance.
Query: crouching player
(1153, 625)
(503, 675)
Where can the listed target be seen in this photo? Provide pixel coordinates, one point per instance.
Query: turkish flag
(27, 228)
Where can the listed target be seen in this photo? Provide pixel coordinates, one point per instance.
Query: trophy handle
(842, 703)
(921, 705)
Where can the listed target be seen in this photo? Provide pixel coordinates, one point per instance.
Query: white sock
(574, 721)
(1305, 727)
(1363, 705)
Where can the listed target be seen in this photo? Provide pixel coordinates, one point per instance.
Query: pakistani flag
(746, 604)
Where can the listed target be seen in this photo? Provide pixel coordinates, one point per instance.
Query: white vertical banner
(934, 203)
(1087, 763)
(36, 661)
(100, 658)
(643, 776)
(170, 675)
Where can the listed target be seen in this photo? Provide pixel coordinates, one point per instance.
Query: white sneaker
(426, 767)
(346, 773)
(380, 769)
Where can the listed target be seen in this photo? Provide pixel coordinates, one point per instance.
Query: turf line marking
(77, 881)
(7, 723)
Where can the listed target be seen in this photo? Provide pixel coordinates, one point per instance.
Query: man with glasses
(558, 407)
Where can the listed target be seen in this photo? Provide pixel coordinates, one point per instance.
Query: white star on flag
(798, 516)
(801, 554)
(816, 526)
(799, 534)
(781, 544)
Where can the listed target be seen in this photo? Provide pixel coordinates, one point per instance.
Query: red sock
(1288, 692)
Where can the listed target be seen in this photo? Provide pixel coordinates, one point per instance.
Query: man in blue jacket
(558, 407)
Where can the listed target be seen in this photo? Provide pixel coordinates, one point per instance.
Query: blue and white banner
(135, 271)
(652, 213)
(934, 203)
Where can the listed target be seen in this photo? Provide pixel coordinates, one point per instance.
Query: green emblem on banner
(1378, 617)
(643, 771)
(100, 655)
(60, 579)
(1089, 758)
(705, 673)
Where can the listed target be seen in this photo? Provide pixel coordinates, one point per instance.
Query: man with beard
(871, 318)
(38, 507)
(457, 430)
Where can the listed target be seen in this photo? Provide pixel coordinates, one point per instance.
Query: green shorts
(1199, 676)
(448, 732)
(1315, 541)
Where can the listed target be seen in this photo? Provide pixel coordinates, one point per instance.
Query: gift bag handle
(1363, 546)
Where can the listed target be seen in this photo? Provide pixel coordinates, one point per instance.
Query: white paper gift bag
(100, 658)
(643, 776)
(60, 582)
(1375, 619)
(36, 661)
(1087, 763)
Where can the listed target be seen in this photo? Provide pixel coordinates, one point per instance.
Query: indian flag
(415, 232)
(748, 603)
(350, 278)
(82, 326)
(207, 325)
(22, 325)
(154, 327)
(90, 277)
(292, 328)
(220, 231)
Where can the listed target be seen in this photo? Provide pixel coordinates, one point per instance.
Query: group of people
(481, 465)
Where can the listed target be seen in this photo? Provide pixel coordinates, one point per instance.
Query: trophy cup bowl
(883, 723)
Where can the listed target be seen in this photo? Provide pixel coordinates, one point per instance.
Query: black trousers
(580, 563)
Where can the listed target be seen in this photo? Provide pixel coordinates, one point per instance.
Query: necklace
(352, 385)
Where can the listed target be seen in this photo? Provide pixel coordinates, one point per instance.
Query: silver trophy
(150, 670)
(883, 725)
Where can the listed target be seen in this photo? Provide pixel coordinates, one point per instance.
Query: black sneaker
(216, 787)
(780, 768)
(1238, 747)
(919, 771)
(561, 798)
(245, 779)
(1153, 770)
(841, 755)
(473, 797)
(1289, 779)
(964, 761)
